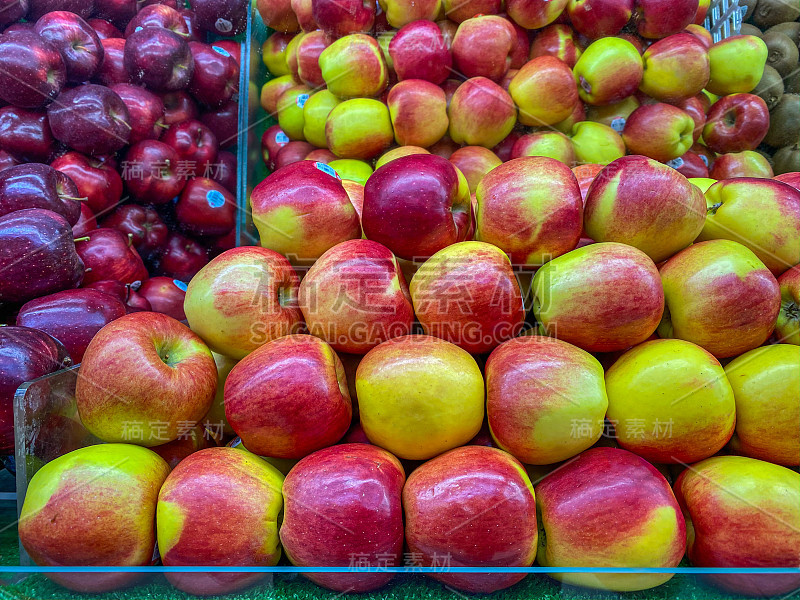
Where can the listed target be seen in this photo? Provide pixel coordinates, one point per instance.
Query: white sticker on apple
(223, 25)
(215, 198)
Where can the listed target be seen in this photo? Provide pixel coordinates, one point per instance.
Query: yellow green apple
(359, 128)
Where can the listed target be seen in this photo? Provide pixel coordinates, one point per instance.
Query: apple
(146, 111)
(181, 257)
(522, 47)
(13, 10)
(656, 19)
(36, 185)
(545, 399)
(474, 162)
(787, 328)
(94, 178)
(353, 66)
(108, 254)
(504, 148)
(215, 78)
(159, 59)
(150, 172)
(338, 19)
(53, 267)
(397, 152)
(765, 383)
(535, 14)
(86, 222)
(596, 143)
(481, 113)
(325, 156)
(792, 179)
(759, 503)
(206, 208)
(227, 18)
(225, 170)
(278, 15)
(75, 39)
(179, 106)
(91, 119)
(483, 47)
(720, 296)
(148, 230)
(675, 68)
(544, 90)
(660, 222)
(25, 134)
(531, 209)
(474, 505)
(272, 140)
(659, 131)
(402, 12)
(747, 163)
(114, 489)
(359, 128)
(609, 70)
(690, 165)
(350, 169)
(735, 123)
(419, 396)
(119, 12)
(459, 11)
(574, 503)
(331, 515)
(557, 40)
(416, 205)
(614, 115)
(291, 111)
(72, 317)
(158, 15)
(549, 144)
(293, 152)
(112, 69)
(104, 29)
(418, 110)
(761, 214)
(584, 297)
(737, 64)
(32, 71)
(273, 53)
(194, 143)
(700, 32)
(165, 295)
(308, 51)
(696, 107)
(599, 18)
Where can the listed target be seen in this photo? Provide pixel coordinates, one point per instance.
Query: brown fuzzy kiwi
(772, 12)
(792, 29)
(791, 83)
(751, 6)
(770, 88)
(783, 54)
(784, 122)
(748, 29)
(786, 160)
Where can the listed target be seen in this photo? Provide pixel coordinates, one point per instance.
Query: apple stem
(123, 121)
(76, 198)
(82, 239)
(130, 240)
(162, 125)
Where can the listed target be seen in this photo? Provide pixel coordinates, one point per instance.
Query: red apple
(151, 172)
(108, 254)
(418, 51)
(32, 71)
(94, 178)
(112, 69)
(215, 78)
(104, 29)
(165, 295)
(599, 18)
(146, 111)
(159, 59)
(158, 14)
(77, 42)
(659, 131)
(86, 222)
(26, 134)
(481, 113)
(656, 19)
(179, 106)
(194, 143)
(206, 208)
(181, 258)
(675, 68)
(559, 41)
(735, 123)
(147, 230)
(483, 47)
(535, 14)
(746, 163)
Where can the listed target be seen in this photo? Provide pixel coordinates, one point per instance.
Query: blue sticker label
(215, 198)
(301, 100)
(704, 158)
(222, 51)
(618, 124)
(327, 169)
(282, 138)
(179, 284)
(675, 163)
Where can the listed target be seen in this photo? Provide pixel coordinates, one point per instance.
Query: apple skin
(94, 178)
(273, 53)
(788, 327)
(735, 123)
(302, 210)
(32, 71)
(339, 19)
(165, 295)
(104, 29)
(293, 152)
(549, 144)
(227, 18)
(584, 297)
(112, 69)
(601, 83)
(599, 18)
(355, 297)
(194, 142)
(35, 185)
(761, 214)
(691, 166)
(86, 222)
(158, 14)
(792, 179)
(474, 162)
(696, 108)
(559, 41)
(289, 397)
(353, 66)
(418, 110)
(419, 396)
(25, 134)
(474, 505)
(737, 64)
(389, 156)
(162, 397)
(535, 14)
(224, 124)
(418, 51)
(489, 310)
(72, 317)
(148, 230)
(656, 19)
(459, 11)
(146, 111)
(746, 163)
(206, 208)
(659, 131)
(595, 143)
(181, 257)
(179, 106)
(39, 8)
(291, 111)
(75, 39)
(110, 255)
(742, 513)
(28, 275)
(675, 68)
(483, 46)
(670, 402)
(647, 530)
(481, 113)
(720, 296)
(215, 78)
(544, 90)
(536, 389)
(309, 49)
(660, 223)
(340, 502)
(94, 506)
(519, 212)
(241, 486)
(12, 11)
(158, 181)
(359, 128)
(765, 382)
(419, 224)
(158, 58)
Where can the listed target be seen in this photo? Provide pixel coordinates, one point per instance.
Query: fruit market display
(526, 293)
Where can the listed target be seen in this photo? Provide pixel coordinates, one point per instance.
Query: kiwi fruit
(771, 12)
(770, 88)
(751, 6)
(791, 83)
(784, 122)
(786, 160)
(792, 29)
(783, 53)
(748, 29)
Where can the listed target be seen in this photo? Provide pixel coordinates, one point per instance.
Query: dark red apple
(10, 11)
(224, 170)
(110, 286)
(136, 302)
(104, 29)
(72, 317)
(178, 106)
(165, 295)
(26, 134)
(7, 160)
(119, 12)
(190, 20)
(91, 119)
(159, 59)
(292, 152)
(148, 230)
(110, 255)
(112, 70)
(36, 185)
(95, 179)
(146, 111)
(690, 165)
(78, 43)
(222, 17)
(86, 222)
(194, 143)
(182, 257)
(37, 255)
(32, 71)
(272, 140)
(224, 123)
(150, 172)
(216, 74)
(233, 47)
(418, 51)
(158, 15)
(38, 8)
(206, 208)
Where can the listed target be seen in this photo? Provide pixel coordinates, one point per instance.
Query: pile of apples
(113, 114)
